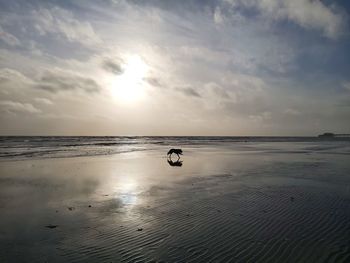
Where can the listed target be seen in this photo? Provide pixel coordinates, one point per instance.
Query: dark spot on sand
(139, 229)
(71, 208)
(89, 205)
(51, 226)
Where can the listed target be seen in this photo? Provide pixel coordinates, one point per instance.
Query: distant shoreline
(170, 136)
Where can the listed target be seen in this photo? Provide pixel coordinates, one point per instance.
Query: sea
(38, 147)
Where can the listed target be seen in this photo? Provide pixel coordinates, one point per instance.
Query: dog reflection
(176, 163)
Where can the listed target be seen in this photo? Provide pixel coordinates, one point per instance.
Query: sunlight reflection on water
(126, 191)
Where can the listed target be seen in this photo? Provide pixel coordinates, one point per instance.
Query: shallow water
(257, 201)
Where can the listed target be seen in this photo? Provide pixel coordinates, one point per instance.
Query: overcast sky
(194, 67)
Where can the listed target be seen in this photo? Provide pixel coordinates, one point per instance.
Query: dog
(176, 151)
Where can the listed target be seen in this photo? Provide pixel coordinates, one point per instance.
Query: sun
(129, 86)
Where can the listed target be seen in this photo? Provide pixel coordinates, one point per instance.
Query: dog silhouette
(176, 151)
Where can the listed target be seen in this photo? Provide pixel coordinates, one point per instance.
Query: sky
(164, 67)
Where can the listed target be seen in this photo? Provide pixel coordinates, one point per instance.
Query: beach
(119, 200)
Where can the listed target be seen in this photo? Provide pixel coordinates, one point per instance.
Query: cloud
(218, 90)
(113, 66)
(43, 101)
(292, 112)
(60, 21)
(261, 117)
(8, 75)
(240, 95)
(309, 14)
(189, 92)
(17, 107)
(8, 38)
(218, 17)
(56, 81)
(346, 85)
(154, 81)
(243, 84)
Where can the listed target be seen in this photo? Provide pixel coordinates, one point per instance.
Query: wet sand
(272, 202)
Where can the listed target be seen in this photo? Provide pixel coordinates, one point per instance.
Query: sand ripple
(284, 224)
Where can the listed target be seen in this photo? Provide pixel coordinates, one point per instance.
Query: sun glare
(128, 87)
(126, 192)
